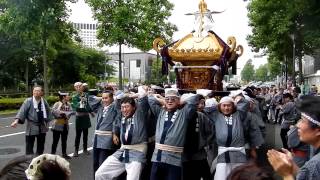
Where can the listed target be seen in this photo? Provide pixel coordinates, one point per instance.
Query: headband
(310, 119)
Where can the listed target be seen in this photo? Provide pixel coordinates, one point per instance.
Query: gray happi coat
(311, 169)
(238, 134)
(176, 134)
(106, 123)
(139, 132)
(204, 137)
(290, 115)
(29, 114)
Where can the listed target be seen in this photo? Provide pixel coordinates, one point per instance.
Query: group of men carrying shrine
(147, 135)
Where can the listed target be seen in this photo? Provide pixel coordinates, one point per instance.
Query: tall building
(88, 34)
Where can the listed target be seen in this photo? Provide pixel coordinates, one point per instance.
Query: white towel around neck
(35, 106)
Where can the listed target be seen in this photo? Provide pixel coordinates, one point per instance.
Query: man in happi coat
(36, 112)
(199, 137)
(309, 133)
(107, 114)
(133, 134)
(230, 135)
(172, 122)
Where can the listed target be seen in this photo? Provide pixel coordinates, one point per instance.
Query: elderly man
(36, 111)
(171, 128)
(309, 132)
(232, 134)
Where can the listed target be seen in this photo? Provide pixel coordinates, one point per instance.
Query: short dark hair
(310, 105)
(51, 170)
(201, 97)
(129, 100)
(250, 171)
(109, 88)
(297, 89)
(287, 95)
(110, 93)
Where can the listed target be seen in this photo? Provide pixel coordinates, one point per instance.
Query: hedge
(15, 103)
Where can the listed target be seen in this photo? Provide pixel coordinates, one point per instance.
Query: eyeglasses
(170, 98)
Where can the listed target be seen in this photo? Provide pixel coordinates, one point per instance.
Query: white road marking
(13, 134)
(12, 118)
(18, 133)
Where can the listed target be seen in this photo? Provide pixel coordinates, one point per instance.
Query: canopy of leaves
(25, 27)
(273, 21)
(247, 73)
(261, 73)
(134, 23)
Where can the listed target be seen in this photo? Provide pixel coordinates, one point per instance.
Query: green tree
(74, 63)
(156, 75)
(273, 22)
(261, 73)
(39, 23)
(274, 66)
(131, 22)
(247, 73)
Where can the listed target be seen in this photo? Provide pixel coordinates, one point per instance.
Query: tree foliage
(261, 74)
(135, 23)
(247, 73)
(34, 33)
(273, 21)
(156, 75)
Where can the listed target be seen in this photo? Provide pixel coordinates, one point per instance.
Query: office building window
(138, 62)
(150, 62)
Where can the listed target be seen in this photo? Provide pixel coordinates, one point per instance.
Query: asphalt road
(12, 144)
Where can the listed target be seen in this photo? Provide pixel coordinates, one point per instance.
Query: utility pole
(120, 68)
(293, 59)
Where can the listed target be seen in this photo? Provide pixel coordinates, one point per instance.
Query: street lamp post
(105, 70)
(293, 59)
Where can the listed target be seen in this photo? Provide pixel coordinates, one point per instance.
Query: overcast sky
(232, 22)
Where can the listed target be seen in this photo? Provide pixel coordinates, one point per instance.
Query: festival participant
(36, 112)
(278, 101)
(199, 136)
(230, 135)
(80, 104)
(107, 114)
(133, 134)
(309, 132)
(172, 122)
(61, 111)
(290, 116)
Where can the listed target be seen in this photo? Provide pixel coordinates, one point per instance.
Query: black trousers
(284, 137)
(56, 136)
(195, 170)
(84, 138)
(163, 171)
(41, 138)
(99, 155)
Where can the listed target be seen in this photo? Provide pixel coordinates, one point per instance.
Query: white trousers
(111, 168)
(224, 169)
